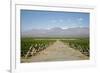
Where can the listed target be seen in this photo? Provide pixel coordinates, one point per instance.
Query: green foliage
(37, 45)
(79, 44)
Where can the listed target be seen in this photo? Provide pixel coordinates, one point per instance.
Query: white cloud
(80, 19)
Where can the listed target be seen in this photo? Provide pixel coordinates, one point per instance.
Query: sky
(35, 19)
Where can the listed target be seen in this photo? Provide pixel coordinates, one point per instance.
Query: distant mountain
(57, 32)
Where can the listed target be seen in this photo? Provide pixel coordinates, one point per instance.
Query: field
(51, 49)
(79, 44)
(30, 46)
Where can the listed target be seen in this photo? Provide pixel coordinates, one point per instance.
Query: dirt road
(57, 52)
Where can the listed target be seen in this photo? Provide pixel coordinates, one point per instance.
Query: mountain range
(57, 32)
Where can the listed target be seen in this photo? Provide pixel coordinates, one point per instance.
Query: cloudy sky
(35, 19)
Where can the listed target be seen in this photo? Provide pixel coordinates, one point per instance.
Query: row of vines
(31, 47)
(79, 44)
